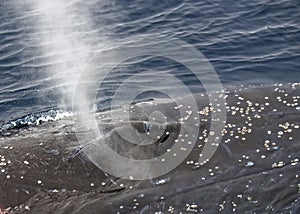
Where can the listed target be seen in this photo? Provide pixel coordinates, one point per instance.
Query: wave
(34, 119)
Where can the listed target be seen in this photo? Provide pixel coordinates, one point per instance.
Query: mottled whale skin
(254, 170)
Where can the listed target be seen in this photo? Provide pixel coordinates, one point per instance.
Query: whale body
(255, 168)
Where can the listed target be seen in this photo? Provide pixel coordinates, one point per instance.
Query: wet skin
(255, 168)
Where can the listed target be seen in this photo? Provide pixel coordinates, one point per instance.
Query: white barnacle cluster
(171, 209)
(294, 161)
(4, 162)
(135, 204)
(192, 207)
(286, 128)
(222, 206)
(270, 145)
(283, 97)
(246, 157)
(211, 108)
(243, 108)
(188, 113)
(213, 171)
(237, 132)
(278, 165)
(240, 198)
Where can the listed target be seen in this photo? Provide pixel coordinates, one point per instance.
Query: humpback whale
(255, 168)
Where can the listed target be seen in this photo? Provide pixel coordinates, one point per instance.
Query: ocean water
(53, 55)
(45, 45)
